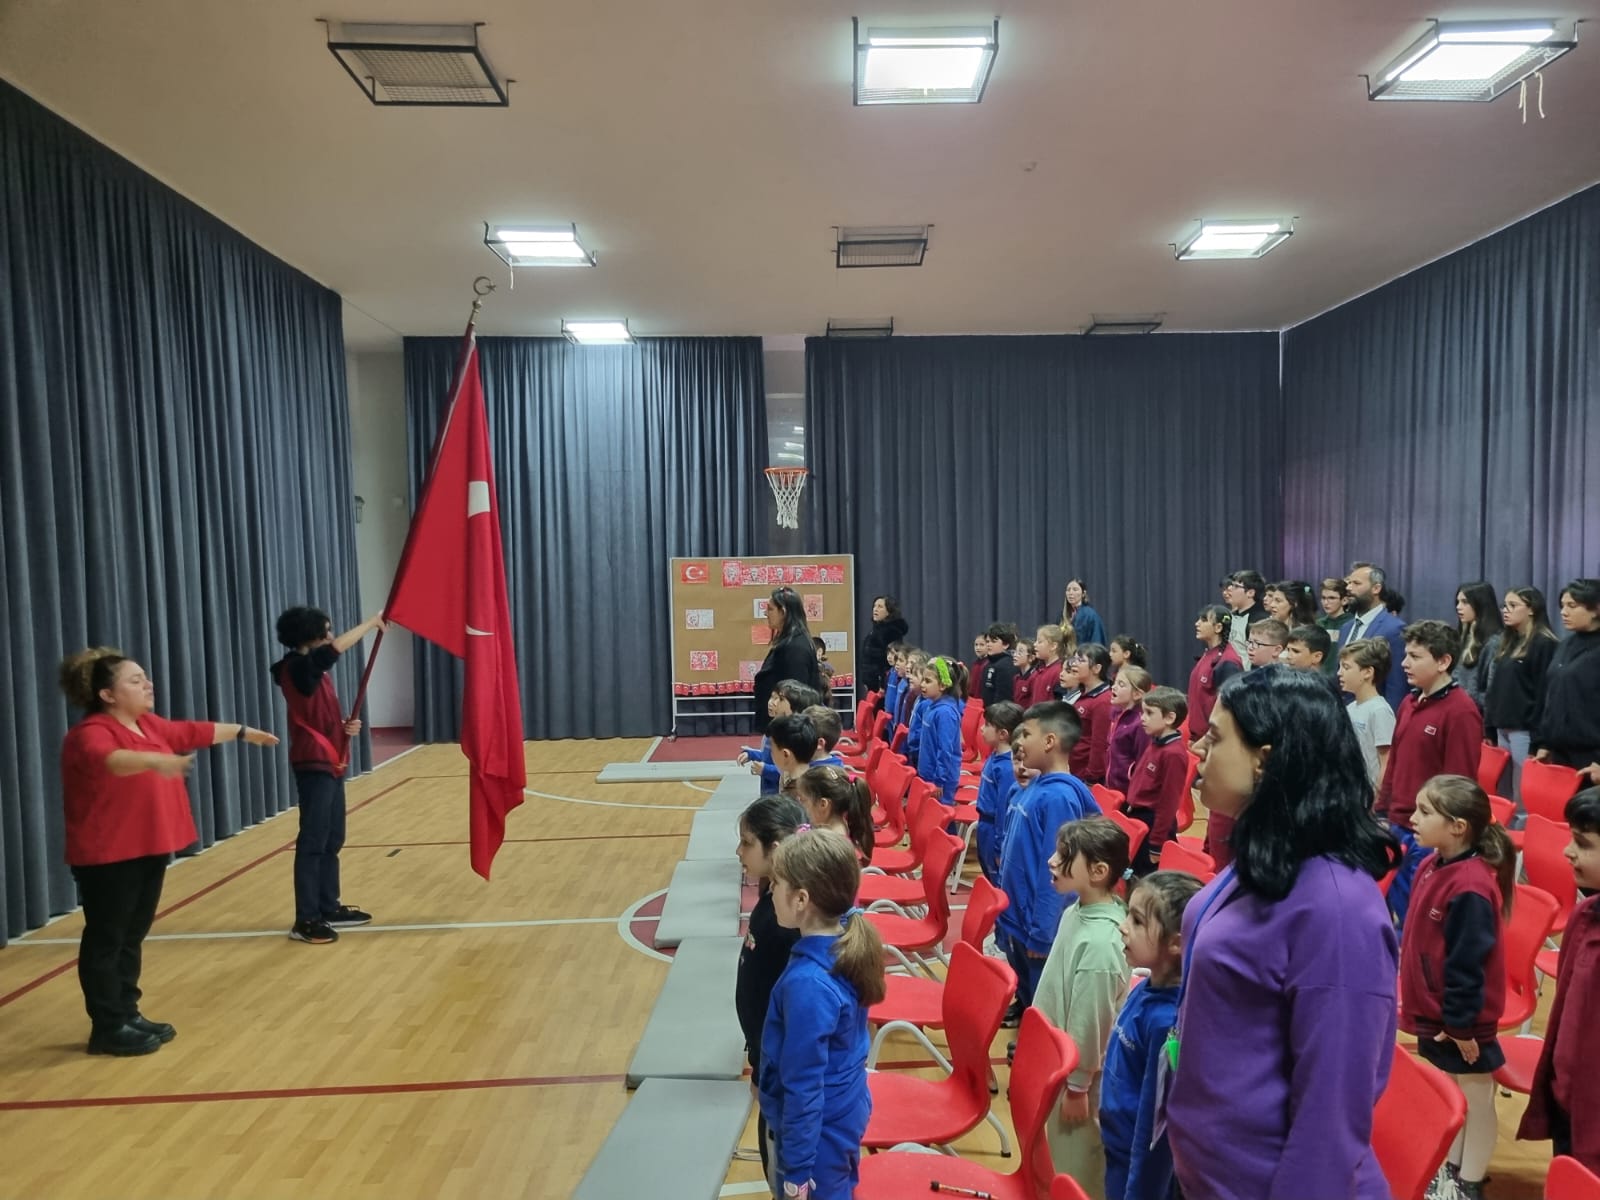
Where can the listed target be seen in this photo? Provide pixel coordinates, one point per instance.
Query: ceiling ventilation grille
(438, 66)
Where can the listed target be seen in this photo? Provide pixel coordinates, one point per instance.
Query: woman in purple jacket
(1287, 1018)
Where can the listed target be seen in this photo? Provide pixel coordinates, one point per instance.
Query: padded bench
(675, 1138)
(702, 901)
(693, 1031)
(713, 833)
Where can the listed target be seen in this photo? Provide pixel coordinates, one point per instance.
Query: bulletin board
(719, 619)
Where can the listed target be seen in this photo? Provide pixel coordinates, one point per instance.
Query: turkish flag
(451, 589)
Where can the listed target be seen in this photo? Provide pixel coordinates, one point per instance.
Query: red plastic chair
(1522, 1059)
(924, 814)
(1533, 912)
(935, 1112)
(1492, 764)
(1544, 862)
(1503, 811)
(1108, 798)
(1186, 800)
(860, 732)
(858, 752)
(1136, 830)
(1569, 1179)
(895, 884)
(1546, 788)
(1045, 1057)
(1175, 856)
(889, 792)
(1413, 1124)
(913, 938)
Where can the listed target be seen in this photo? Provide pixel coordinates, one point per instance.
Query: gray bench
(693, 1031)
(713, 833)
(734, 793)
(702, 901)
(675, 1138)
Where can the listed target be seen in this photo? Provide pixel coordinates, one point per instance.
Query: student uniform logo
(1431, 730)
(694, 572)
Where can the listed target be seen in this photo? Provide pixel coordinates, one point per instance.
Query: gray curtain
(174, 470)
(1440, 425)
(972, 476)
(609, 460)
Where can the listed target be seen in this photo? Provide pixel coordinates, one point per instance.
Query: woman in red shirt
(127, 812)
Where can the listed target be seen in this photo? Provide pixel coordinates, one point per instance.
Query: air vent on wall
(417, 65)
(881, 246)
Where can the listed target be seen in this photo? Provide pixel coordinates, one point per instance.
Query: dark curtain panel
(609, 460)
(1440, 425)
(174, 469)
(973, 476)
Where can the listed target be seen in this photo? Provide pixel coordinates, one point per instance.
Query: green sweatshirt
(1084, 983)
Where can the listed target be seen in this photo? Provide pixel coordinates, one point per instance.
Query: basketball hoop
(787, 484)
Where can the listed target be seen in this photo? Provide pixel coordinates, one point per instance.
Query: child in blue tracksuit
(938, 757)
(995, 785)
(910, 695)
(813, 1082)
(1138, 1165)
(787, 698)
(1027, 929)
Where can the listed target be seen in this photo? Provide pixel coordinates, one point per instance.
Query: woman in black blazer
(888, 627)
(791, 655)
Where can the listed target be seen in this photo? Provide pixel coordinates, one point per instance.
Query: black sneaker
(123, 1041)
(161, 1029)
(318, 933)
(1013, 1016)
(347, 914)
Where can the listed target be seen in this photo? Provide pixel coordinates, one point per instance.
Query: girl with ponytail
(1452, 966)
(813, 1081)
(833, 800)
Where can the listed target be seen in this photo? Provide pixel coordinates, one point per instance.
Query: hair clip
(852, 911)
(801, 828)
(1127, 875)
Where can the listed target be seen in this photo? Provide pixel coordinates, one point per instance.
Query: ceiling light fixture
(860, 327)
(1470, 60)
(881, 245)
(537, 245)
(597, 333)
(1233, 239)
(1100, 326)
(440, 66)
(940, 65)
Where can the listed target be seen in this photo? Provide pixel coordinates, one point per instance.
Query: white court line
(613, 803)
(229, 934)
(651, 750)
(697, 787)
(395, 759)
(625, 930)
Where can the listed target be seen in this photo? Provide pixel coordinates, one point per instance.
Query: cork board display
(719, 617)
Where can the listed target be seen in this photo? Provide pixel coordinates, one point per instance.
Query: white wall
(378, 453)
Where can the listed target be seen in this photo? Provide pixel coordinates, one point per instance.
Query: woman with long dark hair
(1290, 601)
(1568, 729)
(1287, 1021)
(872, 659)
(1478, 623)
(790, 655)
(1515, 688)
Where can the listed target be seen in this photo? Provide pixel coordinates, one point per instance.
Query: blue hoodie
(1036, 812)
(1136, 1170)
(813, 1084)
(996, 786)
(939, 750)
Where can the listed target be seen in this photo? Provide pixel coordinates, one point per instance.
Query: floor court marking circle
(625, 926)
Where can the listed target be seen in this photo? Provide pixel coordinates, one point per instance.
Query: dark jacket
(872, 663)
(1568, 723)
(1383, 624)
(1565, 1084)
(789, 658)
(1516, 685)
(761, 962)
(998, 676)
(1452, 958)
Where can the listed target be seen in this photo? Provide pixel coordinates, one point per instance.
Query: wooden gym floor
(471, 1042)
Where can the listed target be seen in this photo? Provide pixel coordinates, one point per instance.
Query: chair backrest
(984, 907)
(1186, 798)
(938, 860)
(863, 717)
(1546, 788)
(1045, 1057)
(971, 722)
(1175, 856)
(1065, 1187)
(1544, 861)
(925, 818)
(1569, 1179)
(1413, 1124)
(1533, 914)
(1502, 809)
(1136, 830)
(894, 777)
(1108, 798)
(1492, 762)
(898, 742)
(977, 990)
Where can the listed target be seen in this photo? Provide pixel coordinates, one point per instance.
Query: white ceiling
(706, 149)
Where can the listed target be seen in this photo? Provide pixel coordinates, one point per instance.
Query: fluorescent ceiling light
(597, 333)
(1233, 239)
(939, 65)
(1470, 61)
(537, 245)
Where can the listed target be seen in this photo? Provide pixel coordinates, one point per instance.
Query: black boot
(161, 1029)
(124, 1041)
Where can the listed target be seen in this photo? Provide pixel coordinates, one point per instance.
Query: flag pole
(481, 287)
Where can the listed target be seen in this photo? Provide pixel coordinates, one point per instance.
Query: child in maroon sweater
(1155, 788)
(1439, 731)
(1452, 960)
(1564, 1104)
(1088, 668)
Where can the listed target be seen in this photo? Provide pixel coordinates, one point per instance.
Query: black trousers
(316, 850)
(119, 903)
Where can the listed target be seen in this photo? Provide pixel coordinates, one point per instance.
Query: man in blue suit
(1372, 620)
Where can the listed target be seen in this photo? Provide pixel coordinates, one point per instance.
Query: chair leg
(1005, 1142)
(917, 1033)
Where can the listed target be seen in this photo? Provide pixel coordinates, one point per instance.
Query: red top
(1088, 758)
(112, 818)
(1156, 785)
(1426, 967)
(1039, 685)
(1441, 734)
(1217, 664)
(1565, 1081)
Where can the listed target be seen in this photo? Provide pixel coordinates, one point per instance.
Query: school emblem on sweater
(1430, 730)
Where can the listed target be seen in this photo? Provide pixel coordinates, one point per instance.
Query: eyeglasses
(1255, 645)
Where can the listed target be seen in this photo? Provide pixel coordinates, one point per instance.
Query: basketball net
(787, 484)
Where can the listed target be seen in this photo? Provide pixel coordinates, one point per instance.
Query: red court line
(584, 837)
(370, 1089)
(188, 900)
